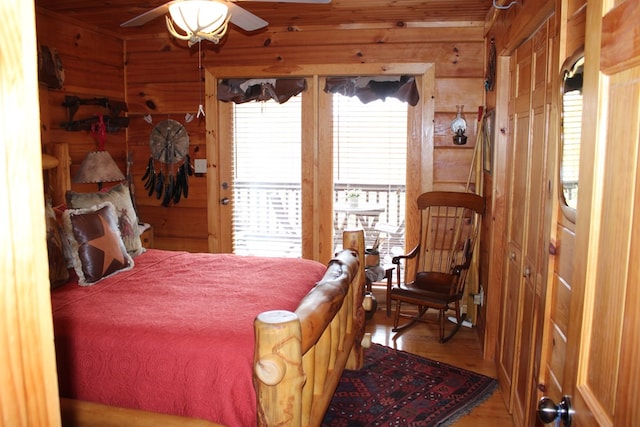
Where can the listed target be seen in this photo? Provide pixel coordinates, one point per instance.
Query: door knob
(549, 412)
(224, 201)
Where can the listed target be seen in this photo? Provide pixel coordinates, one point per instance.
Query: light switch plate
(200, 165)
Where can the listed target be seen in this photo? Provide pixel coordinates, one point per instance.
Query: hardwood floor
(463, 350)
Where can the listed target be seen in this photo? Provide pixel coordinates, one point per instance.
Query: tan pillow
(95, 239)
(127, 218)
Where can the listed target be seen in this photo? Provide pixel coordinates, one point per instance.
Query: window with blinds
(369, 170)
(571, 131)
(267, 178)
(571, 137)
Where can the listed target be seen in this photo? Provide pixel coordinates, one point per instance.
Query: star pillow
(98, 249)
(127, 217)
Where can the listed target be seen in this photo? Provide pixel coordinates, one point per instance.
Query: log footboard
(300, 356)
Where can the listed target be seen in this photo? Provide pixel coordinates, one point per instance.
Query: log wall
(94, 68)
(163, 74)
(161, 77)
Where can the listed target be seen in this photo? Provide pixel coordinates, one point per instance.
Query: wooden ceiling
(108, 14)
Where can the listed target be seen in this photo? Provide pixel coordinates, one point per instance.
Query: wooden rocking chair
(433, 274)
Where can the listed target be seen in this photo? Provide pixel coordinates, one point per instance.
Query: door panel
(509, 311)
(610, 298)
(525, 276)
(554, 361)
(509, 345)
(534, 265)
(603, 344)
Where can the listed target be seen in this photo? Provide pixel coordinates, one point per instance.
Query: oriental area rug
(396, 388)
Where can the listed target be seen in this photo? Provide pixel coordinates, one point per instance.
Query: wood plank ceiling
(108, 14)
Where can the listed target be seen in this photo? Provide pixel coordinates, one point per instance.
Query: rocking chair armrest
(396, 261)
(467, 262)
(414, 252)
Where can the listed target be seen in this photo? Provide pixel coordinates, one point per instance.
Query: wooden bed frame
(299, 356)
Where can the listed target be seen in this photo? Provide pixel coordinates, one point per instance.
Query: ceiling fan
(238, 16)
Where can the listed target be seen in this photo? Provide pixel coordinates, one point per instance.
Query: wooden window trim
(419, 155)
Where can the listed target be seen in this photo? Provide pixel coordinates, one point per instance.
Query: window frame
(317, 205)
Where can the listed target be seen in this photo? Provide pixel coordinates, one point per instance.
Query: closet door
(519, 118)
(525, 262)
(536, 230)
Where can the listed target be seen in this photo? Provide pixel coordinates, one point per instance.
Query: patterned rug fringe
(472, 404)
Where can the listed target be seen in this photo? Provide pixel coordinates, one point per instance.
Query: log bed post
(299, 357)
(279, 377)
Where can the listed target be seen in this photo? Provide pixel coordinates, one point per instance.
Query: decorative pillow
(58, 272)
(127, 218)
(66, 244)
(95, 238)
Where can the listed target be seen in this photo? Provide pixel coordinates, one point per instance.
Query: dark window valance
(369, 89)
(245, 90)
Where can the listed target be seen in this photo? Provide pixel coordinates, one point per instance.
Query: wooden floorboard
(463, 351)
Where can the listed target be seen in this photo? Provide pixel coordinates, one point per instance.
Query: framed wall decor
(488, 135)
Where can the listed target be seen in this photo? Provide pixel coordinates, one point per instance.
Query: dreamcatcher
(169, 143)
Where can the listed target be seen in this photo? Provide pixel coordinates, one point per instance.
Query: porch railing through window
(268, 220)
(379, 211)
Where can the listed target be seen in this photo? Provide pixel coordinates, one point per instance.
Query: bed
(230, 339)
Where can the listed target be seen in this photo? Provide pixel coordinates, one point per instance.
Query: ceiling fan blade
(148, 15)
(244, 19)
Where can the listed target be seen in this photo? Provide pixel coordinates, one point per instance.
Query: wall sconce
(459, 127)
(199, 19)
(98, 167)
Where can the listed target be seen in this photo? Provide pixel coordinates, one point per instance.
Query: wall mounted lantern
(459, 127)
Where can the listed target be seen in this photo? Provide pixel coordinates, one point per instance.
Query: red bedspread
(175, 334)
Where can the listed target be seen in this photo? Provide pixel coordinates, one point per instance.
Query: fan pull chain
(200, 107)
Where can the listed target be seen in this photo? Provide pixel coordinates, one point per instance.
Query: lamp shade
(98, 167)
(199, 16)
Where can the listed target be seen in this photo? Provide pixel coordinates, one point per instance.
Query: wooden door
(28, 382)
(525, 283)
(519, 118)
(534, 256)
(601, 368)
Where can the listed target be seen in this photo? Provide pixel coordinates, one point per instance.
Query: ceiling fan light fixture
(199, 19)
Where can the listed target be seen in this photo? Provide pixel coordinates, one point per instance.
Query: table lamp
(98, 167)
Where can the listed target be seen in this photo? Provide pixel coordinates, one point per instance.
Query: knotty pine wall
(158, 75)
(164, 73)
(94, 67)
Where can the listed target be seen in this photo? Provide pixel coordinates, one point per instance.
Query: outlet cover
(200, 165)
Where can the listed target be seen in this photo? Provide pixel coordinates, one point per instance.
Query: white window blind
(267, 178)
(571, 134)
(370, 158)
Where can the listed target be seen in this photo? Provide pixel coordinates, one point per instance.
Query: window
(267, 178)
(571, 128)
(369, 170)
